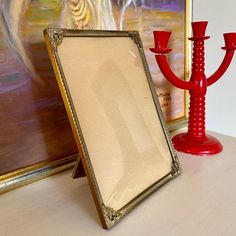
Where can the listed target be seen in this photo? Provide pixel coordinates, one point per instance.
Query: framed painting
(115, 115)
(36, 139)
(35, 135)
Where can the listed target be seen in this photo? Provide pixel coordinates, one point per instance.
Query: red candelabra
(195, 141)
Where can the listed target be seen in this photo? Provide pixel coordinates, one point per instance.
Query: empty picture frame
(115, 116)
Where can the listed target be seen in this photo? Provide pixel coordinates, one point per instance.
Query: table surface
(201, 201)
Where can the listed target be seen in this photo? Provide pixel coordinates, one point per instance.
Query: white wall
(221, 97)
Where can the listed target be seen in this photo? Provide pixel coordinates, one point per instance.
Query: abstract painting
(34, 128)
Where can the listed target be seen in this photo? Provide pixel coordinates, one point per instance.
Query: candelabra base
(205, 146)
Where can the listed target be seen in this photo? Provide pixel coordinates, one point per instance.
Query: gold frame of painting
(181, 122)
(115, 116)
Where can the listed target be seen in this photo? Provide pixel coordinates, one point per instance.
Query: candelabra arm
(222, 68)
(169, 74)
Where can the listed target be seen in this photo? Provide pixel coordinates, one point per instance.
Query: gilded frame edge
(179, 123)
(108, 216)
(30, 174)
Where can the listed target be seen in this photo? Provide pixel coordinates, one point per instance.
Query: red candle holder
(195, 141)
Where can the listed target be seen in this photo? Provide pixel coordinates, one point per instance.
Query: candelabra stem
(196, 125)
(195, 141)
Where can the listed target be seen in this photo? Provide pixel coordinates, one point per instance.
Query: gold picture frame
(115, 116)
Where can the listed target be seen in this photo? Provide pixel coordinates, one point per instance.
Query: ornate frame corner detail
(56, 36)
(176, 169)
(111, 216)
(136, 38)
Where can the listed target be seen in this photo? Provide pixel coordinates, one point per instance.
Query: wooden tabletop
(201, 201)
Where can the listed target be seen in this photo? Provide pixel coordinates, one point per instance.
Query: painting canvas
(34, 128)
